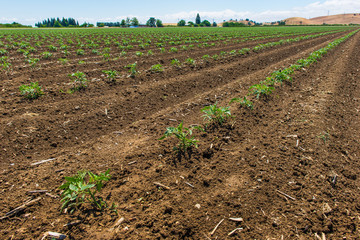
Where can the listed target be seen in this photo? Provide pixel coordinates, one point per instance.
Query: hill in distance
(350, 18)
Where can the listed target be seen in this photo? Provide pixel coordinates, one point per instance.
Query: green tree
(134, 21)
(198, 19)
(151, 22)
(214, 24)
(123, 23)
(191, 24)
(127, 22)
(64, 22)
(57, 24)
(159, 23)
(206, 23)
(181, 23)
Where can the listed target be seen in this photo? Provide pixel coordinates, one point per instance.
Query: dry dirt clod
(326, 208)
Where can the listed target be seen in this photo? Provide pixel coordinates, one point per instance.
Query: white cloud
(315, 9)
(332, 6)
(216, 15)
(319, 8)
(8, 20)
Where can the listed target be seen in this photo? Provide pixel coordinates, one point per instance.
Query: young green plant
(80, 81)
(176, 62)
(184, 136)
(244, 102)
(261, 90)
(215, 114)
(111, 75)
(157, 68)
(132, 69)
(82, 188)
(32, 91)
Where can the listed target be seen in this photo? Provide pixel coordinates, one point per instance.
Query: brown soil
(288, 167)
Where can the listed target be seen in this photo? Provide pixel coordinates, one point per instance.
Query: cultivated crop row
(214, 116)
(82, 49)
(80, 81)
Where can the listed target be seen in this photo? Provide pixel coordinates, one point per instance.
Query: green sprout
(132, 69)
(82, 188)
(138, 54)
(156, 68)
(65, 52)
(176, 62)
(106, 50)
(184, 137)
(244, 102)
(111, 75)
(80, 52)
(80, 81)
(52, 48)
(3, 52)
(173, 50)
(123, 54)
(63, 47)
(216, 114)
(205, 58)
(190, 61)
(32, 91)
(282, 75)
(32, 62)
(6, 66)
(215, 57)
(32, 49)
(233, 52)
(95, 51)
(63, 61)
(325, 136)
(244, 51)
(261, 90)
(46, 55)
(106, 56)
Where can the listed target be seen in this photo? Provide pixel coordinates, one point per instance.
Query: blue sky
(28, 12)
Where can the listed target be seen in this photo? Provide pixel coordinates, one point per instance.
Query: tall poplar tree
(198, 19)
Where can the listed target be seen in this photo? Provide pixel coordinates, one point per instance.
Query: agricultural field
(180, 133)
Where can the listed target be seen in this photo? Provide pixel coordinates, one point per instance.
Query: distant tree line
(13, 25)
(123, 23)
(241, 24)
(108, 24)
(152, 22)
(197, 23)
(57, 22)
(234, 24)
